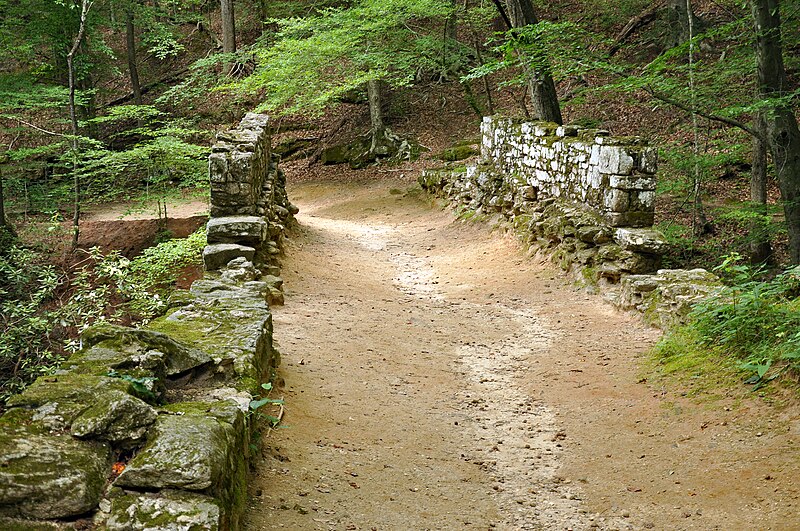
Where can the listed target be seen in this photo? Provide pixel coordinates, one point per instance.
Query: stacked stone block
(611, 175)
(149, 429)
(584, 199)
(249, 206)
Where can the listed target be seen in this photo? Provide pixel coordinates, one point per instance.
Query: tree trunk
(228, 31)
(130, 40)
(449, 43)
(783, 134)
(3, 222)
(760, 248)
(377, 126)
(542, 87)
(678, 19)
(7, 233)
(86, 5)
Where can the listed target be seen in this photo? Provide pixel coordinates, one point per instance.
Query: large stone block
(56, 401)
(138, 344)
(641, 240)
(184, 452)
(118, 418)
(249, 230)
(218, 255)
(49, 476)
(169, 510)
(615, 160)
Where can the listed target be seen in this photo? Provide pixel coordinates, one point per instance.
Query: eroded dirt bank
(438, 379)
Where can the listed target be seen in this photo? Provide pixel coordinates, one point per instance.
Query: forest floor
(437, 378)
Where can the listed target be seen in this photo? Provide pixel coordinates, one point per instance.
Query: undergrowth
(43, 310)
(750, 328)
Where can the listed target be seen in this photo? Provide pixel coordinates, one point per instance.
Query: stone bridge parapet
(583, 198)
(150, 428)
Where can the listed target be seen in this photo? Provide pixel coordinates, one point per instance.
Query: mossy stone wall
(582, 198)
(149, 428)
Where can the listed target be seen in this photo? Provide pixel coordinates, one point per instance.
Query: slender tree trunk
(542, 87)
(3, 221)
(263, 10)
(377, 126)
(7, 233)
(228, 31)
(486, 86)
(130, 40)
(86, 5)
(760, 248)
(783, 134)
(449, 43)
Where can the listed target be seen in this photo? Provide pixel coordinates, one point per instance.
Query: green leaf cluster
(754, 322)
(313, 61)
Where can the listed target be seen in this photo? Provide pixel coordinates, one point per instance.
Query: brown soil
(436, 378)
(130, 231)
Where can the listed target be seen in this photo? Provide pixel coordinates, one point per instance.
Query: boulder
(184, 452)
(168, 510)
(217, 255)
(49, 476)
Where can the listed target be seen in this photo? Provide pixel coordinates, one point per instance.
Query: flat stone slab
(168, 510)
(141, 344)
(237, 229)
(49, 476)
(217, 255)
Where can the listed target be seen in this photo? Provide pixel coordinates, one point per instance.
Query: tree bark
(3, 222)
(86, 5)
(760, 248)
(783, 135)
(678, 19)
(228, 31)
(377, 126)
(130, 40)
(542, 87)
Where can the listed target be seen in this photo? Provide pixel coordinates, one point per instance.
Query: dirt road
(435, 378)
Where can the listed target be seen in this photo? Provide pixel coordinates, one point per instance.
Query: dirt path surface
(435, 378)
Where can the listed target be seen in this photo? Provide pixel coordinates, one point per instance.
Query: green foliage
(256, 405)
(39, 307)
(753, 322)
(564, 49)
(27, 286)
(318, 59)
(144, 283)
(142, 385)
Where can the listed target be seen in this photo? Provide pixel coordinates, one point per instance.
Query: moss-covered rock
(237, 331)
(458, 152)
(141, 343)
(119, 418)
(168, 510)
(182, 451)
(49, 476)
(56, 401)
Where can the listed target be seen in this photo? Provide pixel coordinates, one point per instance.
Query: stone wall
(149, 429)
(582, 198)
(613, 176)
